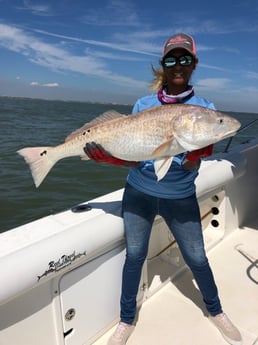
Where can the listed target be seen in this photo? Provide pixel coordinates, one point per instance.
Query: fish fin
(107, 116)
(187, 146)
(163, 149)
(161, 167)
(39, 162)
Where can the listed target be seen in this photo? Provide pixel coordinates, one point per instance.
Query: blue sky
(103, 50)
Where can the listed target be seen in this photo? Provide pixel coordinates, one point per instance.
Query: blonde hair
(159, 78)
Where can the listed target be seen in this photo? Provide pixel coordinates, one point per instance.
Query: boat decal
(64, 261)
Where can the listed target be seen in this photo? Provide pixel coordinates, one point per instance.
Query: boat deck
(176, 314)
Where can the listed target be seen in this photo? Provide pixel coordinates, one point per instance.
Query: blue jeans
(183, 219)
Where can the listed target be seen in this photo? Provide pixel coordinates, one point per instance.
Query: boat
(61, 274)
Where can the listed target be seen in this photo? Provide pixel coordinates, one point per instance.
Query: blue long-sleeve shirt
(178, 183)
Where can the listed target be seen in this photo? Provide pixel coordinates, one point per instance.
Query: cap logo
(178, 40)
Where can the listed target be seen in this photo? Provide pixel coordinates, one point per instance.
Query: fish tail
(39, 161)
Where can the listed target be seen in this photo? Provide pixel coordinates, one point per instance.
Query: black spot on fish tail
(43, 153)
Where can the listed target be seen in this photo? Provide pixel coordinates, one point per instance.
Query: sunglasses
(184, 60)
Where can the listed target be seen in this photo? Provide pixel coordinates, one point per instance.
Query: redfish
(157, 133)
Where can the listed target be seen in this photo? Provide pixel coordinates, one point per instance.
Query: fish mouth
(228, 135)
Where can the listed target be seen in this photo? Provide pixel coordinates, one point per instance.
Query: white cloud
(133, 42)
(252, 75)
(37, 9)
(115, 13)
(243, 99)
(35, 83)
(213, 83)
(247, 92)
(53, 57)
(211, 67)
(51, 85)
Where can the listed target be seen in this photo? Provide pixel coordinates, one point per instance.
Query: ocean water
(30, 122)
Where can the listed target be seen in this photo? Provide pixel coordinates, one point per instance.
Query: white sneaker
(121, 334)
(230, 333)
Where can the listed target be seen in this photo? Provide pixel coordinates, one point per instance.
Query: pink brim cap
(179, 41)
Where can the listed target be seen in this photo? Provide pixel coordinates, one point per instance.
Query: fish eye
(220, 121)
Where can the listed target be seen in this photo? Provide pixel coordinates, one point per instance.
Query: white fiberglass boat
(61, 275)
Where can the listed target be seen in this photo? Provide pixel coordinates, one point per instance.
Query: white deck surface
(175, 315)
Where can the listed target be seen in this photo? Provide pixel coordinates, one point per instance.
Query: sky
(102, 51)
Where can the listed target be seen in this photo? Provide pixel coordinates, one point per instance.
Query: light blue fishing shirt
(178, 183)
